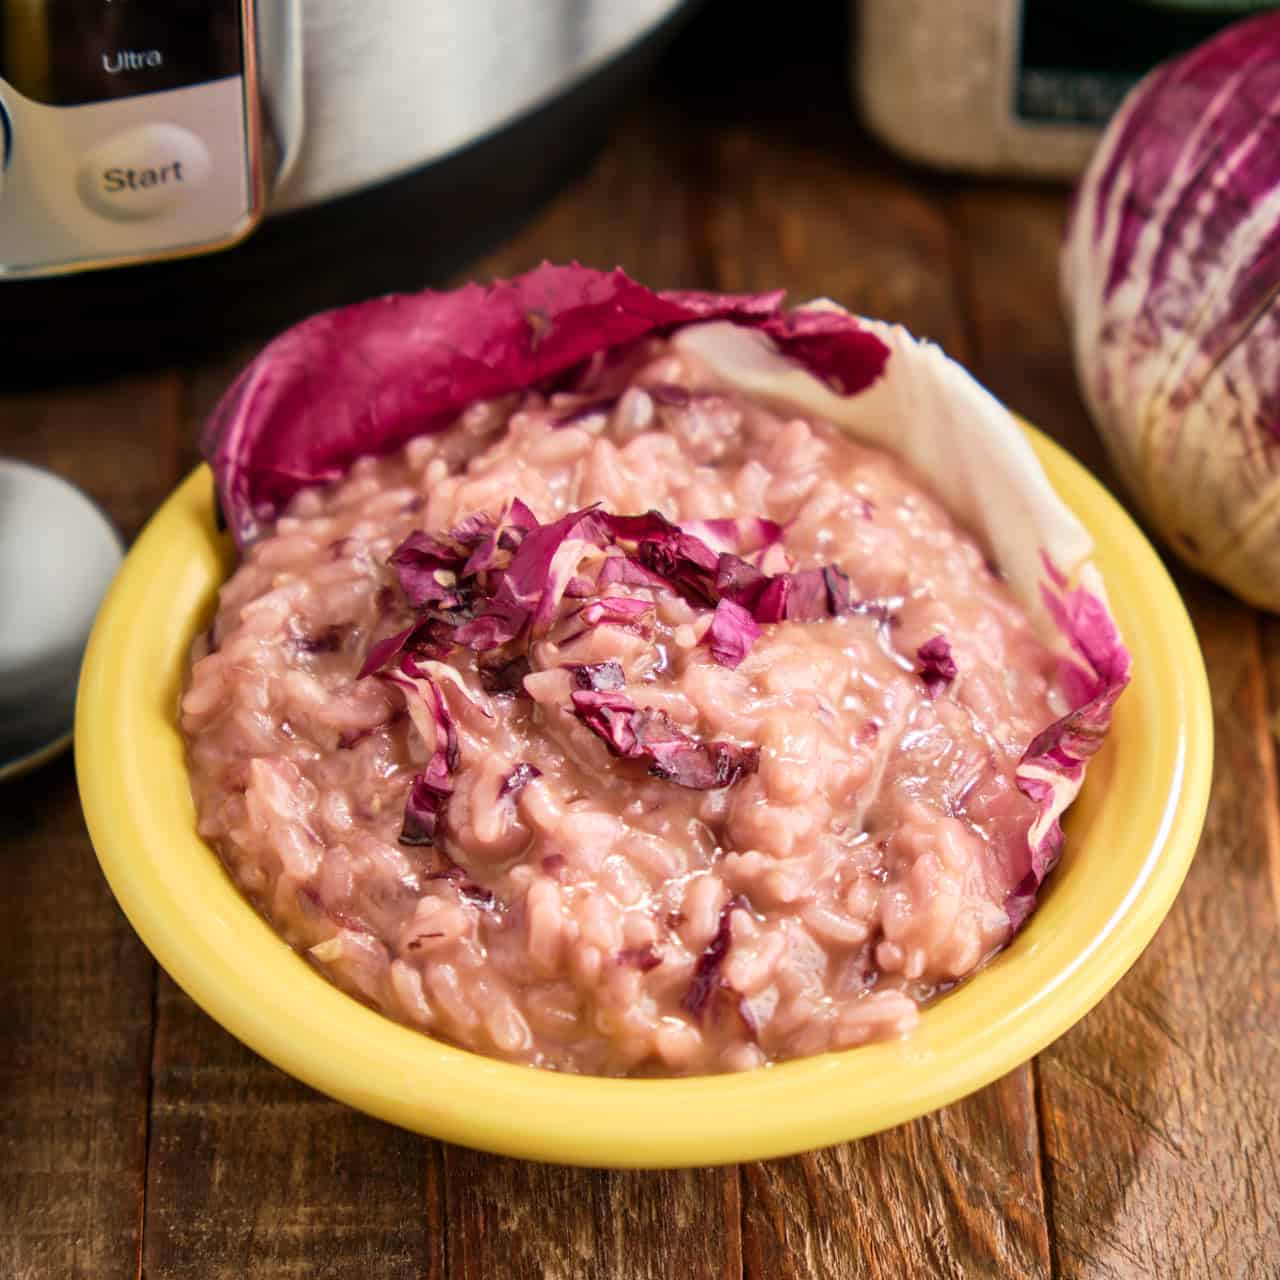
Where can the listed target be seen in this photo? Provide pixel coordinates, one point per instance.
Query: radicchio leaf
(599, 676)
(628, 572)
(678, 758)
(731, 634)
(807, 598)
(742, 536)
(385, 650)
(706, 975)
(622, 611)
(428, 570)
(499, 623)
(430, 790)
(428, 795)
(643, 733)
(937, 667)
(1052, 768)
(367, 378)
(610, 716)
(519, 778)
(739, 581)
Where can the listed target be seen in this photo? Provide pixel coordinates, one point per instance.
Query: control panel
(129, 131)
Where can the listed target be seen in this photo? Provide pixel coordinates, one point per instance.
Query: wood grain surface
(138, 1139)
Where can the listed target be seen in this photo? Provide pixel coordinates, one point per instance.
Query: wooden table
(136, 1137)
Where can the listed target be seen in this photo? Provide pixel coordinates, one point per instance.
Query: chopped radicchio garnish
(643, 733)
(642, 958)
(599, 676)
(494, 585)
(430, 791)
(611, 717)
(706, 975)
(622, 611)
(937, 667)
(478, 894)
(428, 795)
(519, 778)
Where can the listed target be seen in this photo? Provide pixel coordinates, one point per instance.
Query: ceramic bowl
(1130, 838)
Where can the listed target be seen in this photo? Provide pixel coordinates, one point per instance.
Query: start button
(143, 172)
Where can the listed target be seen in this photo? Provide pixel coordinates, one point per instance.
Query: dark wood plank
(76, 985)
(1162, 1108)
(633, 209)
(116, 439)
(547, 1222)
(75, 1028)
(1007, 239)
(856, 1211)
(957, 1193)
(1271, 658)
(252, 1174)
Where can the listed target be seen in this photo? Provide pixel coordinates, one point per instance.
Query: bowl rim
(172, 888)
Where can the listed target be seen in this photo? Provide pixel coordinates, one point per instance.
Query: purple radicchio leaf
(643, 733)
(706, 975)
(363, 380)
(741, 536)
(499, 623)
(519, 778)
(610, 716)
(430, 790)
(620, 611)
(382, 652)
(678, 758)
(425, 804)
(937, 667)
(731, 634)
(598, 676)
(428, 569)
(495, 537)
(739, 581)
(807, 598)
(543, 565)
(1052, 768)
(629, 572)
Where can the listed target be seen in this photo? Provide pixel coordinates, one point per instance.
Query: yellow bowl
(1131, 836)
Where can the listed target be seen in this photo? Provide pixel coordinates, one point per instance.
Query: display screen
(65, 52)
(1078, 60)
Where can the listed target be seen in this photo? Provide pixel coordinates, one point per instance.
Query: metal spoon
(58, 554)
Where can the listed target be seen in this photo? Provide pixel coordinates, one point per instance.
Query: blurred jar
(1014, 87)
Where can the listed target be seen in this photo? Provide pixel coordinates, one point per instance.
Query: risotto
(639, 730)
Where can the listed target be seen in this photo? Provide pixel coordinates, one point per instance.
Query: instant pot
(171, 166)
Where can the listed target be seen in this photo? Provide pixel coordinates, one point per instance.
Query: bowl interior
(1130, 837)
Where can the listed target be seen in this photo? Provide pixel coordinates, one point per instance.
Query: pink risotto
(643, 731)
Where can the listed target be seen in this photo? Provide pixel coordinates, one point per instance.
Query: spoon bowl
(58, 555)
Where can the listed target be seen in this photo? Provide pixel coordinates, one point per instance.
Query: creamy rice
(582, 914)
